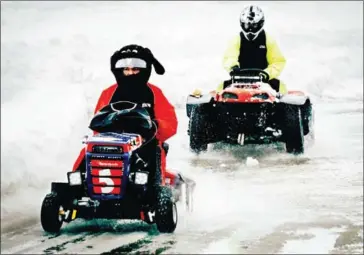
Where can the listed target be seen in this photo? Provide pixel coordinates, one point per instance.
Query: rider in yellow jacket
(255, 48)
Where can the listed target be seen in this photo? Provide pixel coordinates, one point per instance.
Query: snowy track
(248, 200)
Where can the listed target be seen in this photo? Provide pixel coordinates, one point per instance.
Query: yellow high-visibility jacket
(275, 59)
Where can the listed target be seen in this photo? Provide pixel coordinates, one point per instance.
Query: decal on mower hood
(106, 163)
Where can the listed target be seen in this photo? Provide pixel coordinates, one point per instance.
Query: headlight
(229, 95)
(74, 178)
(263, 96)
(141, 178)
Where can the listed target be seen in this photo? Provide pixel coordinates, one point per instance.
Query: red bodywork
(106, 175)
(248, 93)
(101, 164)
(245, 94)
(103, 177)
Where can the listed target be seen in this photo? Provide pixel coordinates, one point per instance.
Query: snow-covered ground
(55, 62)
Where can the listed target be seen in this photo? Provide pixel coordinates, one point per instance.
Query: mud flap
(66, 192)
(187, 190)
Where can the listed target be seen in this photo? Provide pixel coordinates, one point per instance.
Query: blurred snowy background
(55, 63)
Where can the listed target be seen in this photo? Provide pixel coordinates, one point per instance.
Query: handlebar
(249, 75)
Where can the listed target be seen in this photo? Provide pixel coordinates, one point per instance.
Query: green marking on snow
(160, 250)
(62, 246)
(129, 247)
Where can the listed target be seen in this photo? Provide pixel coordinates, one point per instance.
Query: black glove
(264, 76)
(234, 69)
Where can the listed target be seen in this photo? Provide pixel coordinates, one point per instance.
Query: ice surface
(55, 63)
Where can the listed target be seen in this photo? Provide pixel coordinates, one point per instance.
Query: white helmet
(252, 21)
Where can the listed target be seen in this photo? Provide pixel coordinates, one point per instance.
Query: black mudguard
(306, 109)
(193, 101)
(66, 192)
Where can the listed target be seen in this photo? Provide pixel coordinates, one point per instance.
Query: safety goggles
(131, 62)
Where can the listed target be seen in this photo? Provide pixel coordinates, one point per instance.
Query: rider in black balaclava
(132, 86)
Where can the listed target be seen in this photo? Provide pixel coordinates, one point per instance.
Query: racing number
(106, 180)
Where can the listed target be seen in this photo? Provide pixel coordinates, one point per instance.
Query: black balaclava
(134, 87)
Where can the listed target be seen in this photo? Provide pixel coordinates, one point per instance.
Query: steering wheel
(123, 106)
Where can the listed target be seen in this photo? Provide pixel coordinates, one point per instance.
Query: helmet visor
(131, 62)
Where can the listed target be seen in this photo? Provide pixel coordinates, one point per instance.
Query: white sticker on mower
(109, 164)
(105, 180)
